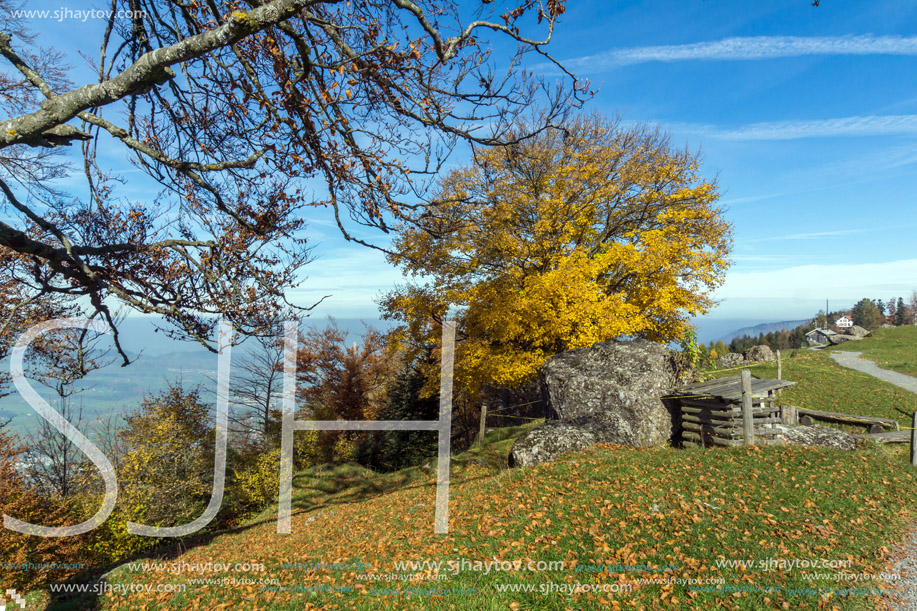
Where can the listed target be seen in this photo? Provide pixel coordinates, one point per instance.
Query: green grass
(824, 385)
(326, 485)
(603, 506)
(894, 348)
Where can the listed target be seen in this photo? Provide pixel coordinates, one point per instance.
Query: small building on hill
(844, 322)
(816, 337)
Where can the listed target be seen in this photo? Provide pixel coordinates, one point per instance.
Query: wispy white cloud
(744, 48)
(869, 125)
(763, 258)
(816, 235)
(730, 201)
(837, 281)
(867, 163)
(857, 168)
(353, 278)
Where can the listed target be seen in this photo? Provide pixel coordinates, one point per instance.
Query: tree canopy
(867, 314)
(247, 115)
(580, 234)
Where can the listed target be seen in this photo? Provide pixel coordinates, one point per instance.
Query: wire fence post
(914, 440)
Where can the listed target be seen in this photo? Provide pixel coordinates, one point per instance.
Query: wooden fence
(731, 411)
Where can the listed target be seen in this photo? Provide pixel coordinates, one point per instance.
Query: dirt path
(904, 597)
(906, 554)
(852, 360)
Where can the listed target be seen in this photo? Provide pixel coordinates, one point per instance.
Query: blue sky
(807, 116)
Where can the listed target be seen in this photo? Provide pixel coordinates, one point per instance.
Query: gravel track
(905, 598)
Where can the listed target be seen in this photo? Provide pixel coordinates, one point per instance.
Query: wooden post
(483, 426)
(779, 367)
(748, 422)
(914, 440)
(789, 415)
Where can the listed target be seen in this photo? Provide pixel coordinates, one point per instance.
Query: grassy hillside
(687, 510)
(894, 348)
(625, 528)
(823, 384)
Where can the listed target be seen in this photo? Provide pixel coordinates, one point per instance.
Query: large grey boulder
(610, 392)
(858, 331)
(759, 353)
(818, 436)
(834, 340)
(614, 390)
(730, 360)
(547, 442)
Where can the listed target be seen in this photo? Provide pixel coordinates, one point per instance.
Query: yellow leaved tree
(583, 233)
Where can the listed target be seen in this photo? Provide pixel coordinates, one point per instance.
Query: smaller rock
(759, 353)
(819, 436)
(728, 361)
(547, 442)
(857, 331)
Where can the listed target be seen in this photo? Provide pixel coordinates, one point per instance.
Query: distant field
(118, 390)
(823, 384)
(894, 349)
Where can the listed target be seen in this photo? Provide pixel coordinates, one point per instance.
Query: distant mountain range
(765, 327)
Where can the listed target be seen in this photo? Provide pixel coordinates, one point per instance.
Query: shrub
(165, 471)
(18, 501)
(256, 485)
